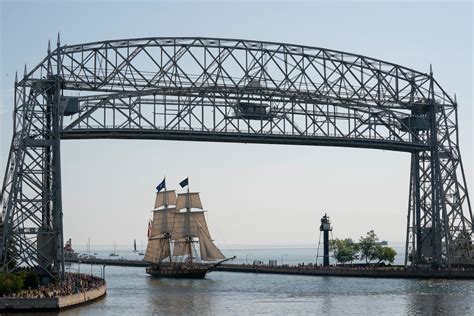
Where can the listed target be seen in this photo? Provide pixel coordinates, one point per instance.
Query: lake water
(132, 292)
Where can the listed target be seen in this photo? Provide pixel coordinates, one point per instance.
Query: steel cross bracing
(227, 90)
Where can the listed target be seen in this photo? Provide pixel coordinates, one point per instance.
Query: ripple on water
(132, 292)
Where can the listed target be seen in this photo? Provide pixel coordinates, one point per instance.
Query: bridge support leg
(440, 232)
(31, 222)
(412, 252)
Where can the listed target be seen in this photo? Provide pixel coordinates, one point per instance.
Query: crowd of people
(73, 283)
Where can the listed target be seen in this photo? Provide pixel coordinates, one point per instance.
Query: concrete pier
(388, 272)
(20, 305)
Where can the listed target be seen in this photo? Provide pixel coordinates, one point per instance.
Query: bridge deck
(239, 137)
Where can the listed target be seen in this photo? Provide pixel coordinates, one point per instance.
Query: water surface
(132, 292)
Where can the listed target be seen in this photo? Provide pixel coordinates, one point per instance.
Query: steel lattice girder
(207, 89)
(31, 193)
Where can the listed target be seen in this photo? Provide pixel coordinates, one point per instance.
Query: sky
(254, 194)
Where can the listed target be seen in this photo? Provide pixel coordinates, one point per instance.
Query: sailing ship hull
(177, 273)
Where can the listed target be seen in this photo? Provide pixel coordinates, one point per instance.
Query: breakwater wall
(21, 305)
(358, 271)
(386, 272)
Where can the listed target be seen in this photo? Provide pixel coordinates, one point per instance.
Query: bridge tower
(439, 232)
(31, 194)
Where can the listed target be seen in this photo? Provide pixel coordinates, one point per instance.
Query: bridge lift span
(229, 90)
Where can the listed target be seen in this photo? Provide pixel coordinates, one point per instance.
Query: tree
(10, 283)
(386, 254)
(344, 250)
(30, 279)
(462, 246)
(368, 246)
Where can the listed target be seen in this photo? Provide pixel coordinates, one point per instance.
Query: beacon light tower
(325, 228)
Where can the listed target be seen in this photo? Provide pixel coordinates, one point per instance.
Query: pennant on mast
(184, 183)
(161, 186)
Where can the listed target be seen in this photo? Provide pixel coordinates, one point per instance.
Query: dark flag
(161, 186)
(184, 183)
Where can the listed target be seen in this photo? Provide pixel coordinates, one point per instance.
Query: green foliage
(15, 282)
(462, 241)
(369, 248)
(10, 283)
(344, 250)
(386, 254)
(30, 280)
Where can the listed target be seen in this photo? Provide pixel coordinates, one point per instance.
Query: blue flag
(161, 186)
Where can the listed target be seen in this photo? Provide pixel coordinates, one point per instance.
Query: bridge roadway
(379, 272)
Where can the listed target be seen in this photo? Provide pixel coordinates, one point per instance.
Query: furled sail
(181, 248)
(208, 249)
(188, 200)
(162, 221)
(157, 249)
(165, 198)
(185, 224)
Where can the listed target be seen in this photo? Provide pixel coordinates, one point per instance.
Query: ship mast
(167, 234)
(188, 225)
(160, 236)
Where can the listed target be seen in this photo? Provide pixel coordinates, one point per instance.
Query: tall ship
(179, 242)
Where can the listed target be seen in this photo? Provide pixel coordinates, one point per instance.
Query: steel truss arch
(231, 90)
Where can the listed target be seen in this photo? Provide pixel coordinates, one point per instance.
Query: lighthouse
(325, 228)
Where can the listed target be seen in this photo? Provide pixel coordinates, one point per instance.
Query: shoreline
(56, 304)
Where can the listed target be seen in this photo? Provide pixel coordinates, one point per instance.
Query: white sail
(208, 249)
(181, 248)
(186, 224)
(162, 221)
(156, 250)
(188, 200)
(164, 198)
